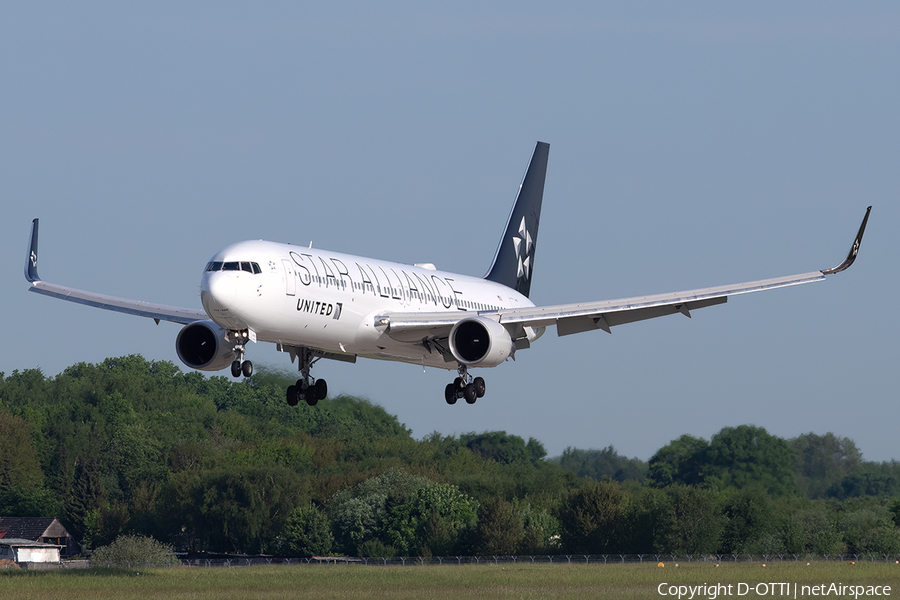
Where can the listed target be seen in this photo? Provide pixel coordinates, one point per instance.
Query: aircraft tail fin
(514, 261)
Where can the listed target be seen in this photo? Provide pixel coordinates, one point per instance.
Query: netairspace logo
(779, 590)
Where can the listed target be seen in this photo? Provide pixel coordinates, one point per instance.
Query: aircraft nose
(216, 293)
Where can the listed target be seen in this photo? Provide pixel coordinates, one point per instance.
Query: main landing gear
(240, 366)
(308, 389)
(463, 388)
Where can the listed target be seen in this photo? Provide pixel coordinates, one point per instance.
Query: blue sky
(691, 145)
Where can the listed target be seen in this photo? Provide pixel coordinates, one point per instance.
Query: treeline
(208, 464)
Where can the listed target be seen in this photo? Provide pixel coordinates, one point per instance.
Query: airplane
(315, 304)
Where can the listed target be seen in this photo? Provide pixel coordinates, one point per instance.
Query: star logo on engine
(524, 245)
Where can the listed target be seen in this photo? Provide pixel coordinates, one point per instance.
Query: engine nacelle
(481, 342)
(202, 345)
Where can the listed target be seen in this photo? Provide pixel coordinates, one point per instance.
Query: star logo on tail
(524, 245)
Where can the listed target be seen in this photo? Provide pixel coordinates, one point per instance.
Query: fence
(593, 559)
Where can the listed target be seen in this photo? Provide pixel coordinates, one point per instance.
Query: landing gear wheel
(293, 397)
(464, 387)
(321, 389)
(479, 386)
(236, 368)
(308, 390)
(470, 394)
(247, 368)
(450, 393)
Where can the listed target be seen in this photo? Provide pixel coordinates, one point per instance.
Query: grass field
(469, 581)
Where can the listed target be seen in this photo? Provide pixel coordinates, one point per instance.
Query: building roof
(20, 543)
(31, 528)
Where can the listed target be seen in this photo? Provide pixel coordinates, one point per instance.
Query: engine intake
(480, 341)
(202, 345)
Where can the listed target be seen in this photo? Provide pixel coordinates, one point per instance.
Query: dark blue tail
(514, 261)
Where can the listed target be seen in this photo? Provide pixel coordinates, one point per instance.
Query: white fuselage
(305, 297)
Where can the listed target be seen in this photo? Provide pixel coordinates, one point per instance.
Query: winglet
(31, 273)
(854, 249)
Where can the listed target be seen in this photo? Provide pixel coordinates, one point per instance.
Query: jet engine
(202, 345)
(480, 342)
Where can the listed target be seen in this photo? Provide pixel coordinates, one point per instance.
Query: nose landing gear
(240, 366)
(463, 388)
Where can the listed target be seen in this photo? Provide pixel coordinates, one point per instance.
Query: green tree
(87, 497)
(496, 445)
(593, 519)
(130, 445)
(19, 466)
(535, 450)
(689, 521)
(500, 529)
(869, 479)
(359, 417)
(812, 529)
(437, 519)
(359, 514)
(29, 502)
(821, 461)
(308, 532)
(750, 523)
(132, 552)
(22, 491)
(869, 529)
(894, 507)
(540, 529)
(748, 455)
(602, 463)
(680, 461)
(240, 508)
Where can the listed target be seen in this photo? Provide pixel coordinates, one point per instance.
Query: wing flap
(568, 326)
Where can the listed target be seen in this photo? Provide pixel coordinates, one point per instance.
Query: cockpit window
(249, 267)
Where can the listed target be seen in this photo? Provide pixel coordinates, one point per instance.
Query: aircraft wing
(575, 318)
(158, 312)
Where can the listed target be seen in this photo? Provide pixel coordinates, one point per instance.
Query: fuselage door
(290, 280)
